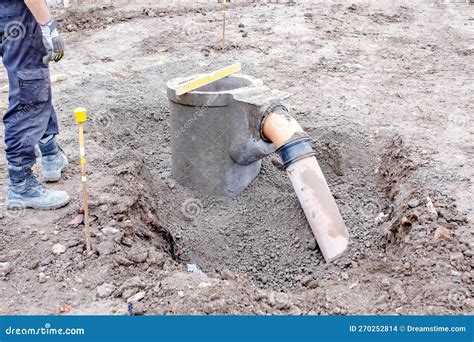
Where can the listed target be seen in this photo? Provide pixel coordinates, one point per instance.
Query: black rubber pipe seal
(295, 150)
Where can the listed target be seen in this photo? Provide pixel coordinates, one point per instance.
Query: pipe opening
(225, 84)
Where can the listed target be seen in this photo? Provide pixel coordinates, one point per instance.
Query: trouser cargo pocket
(34, 86)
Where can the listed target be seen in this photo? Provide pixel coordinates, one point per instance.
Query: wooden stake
(223, 26)
(81, 116)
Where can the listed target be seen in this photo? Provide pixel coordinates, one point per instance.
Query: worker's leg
(30, 115)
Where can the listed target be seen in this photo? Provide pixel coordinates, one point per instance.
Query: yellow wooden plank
(207, 79)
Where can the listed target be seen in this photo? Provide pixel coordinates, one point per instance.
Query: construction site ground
(384, 91)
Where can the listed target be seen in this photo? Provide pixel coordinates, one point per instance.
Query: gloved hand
(53, 43)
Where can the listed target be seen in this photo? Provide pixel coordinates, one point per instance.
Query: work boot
(24, 191)
(53, 160)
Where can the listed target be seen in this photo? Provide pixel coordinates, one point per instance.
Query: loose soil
(384, 92)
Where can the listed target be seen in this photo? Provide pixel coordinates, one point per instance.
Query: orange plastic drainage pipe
(308, 182)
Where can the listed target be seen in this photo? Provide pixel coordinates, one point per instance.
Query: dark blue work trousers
(30, 115)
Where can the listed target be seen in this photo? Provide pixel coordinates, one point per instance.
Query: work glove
(53, 43)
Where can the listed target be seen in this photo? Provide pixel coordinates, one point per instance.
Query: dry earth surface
(385, 92)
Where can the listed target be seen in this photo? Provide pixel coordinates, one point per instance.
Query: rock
(469, 303)
(161, 14)
(44, 237)
(5, 268)
(456, 257)
(171, 182)
(245, 35)
(312, 245)
(306, 280)
(106, 248)
(73, 243)
(227, 275)
(136, 297)
(129, 292)
(405, 221)
(442, 233)
(344, 276)
(138, 309)
(352, 7)
(467, 277)
(431, 207)
(137, 254)
(121, 260)
(47, 261)
(58, 249)
(42, 278)
(241, 25)
(382, 298)
(398, 290)
(413, 203)
(105, 290)
(127, 241)
(157, 258)
(110, 231)
(131, 283)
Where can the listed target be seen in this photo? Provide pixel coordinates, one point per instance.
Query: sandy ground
(385, 92)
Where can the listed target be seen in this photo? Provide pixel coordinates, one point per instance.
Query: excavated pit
(263, 232)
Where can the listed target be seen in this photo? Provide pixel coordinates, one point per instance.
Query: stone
(382, 298)
(312, 245)
(397, 289)
(306, 280)
(467, 277)
(106, 248)
(138, 309)
(157, 258)
(405, 221)
(136, 297)
(5, 268)
(227, 275)
(129, 292)
(413, 203)
(442, 233)
(137, 254)
(58, 249)
(42, 278)
(456, 257)
(110, 231)
(105, 290)
(431, 207)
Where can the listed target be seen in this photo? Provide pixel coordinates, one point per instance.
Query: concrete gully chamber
(221, 131)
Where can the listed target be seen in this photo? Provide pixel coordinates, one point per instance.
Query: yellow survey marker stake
(207, 79)
(81, 116)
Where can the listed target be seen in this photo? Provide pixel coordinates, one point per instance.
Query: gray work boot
(53, 160)
(24, 191)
